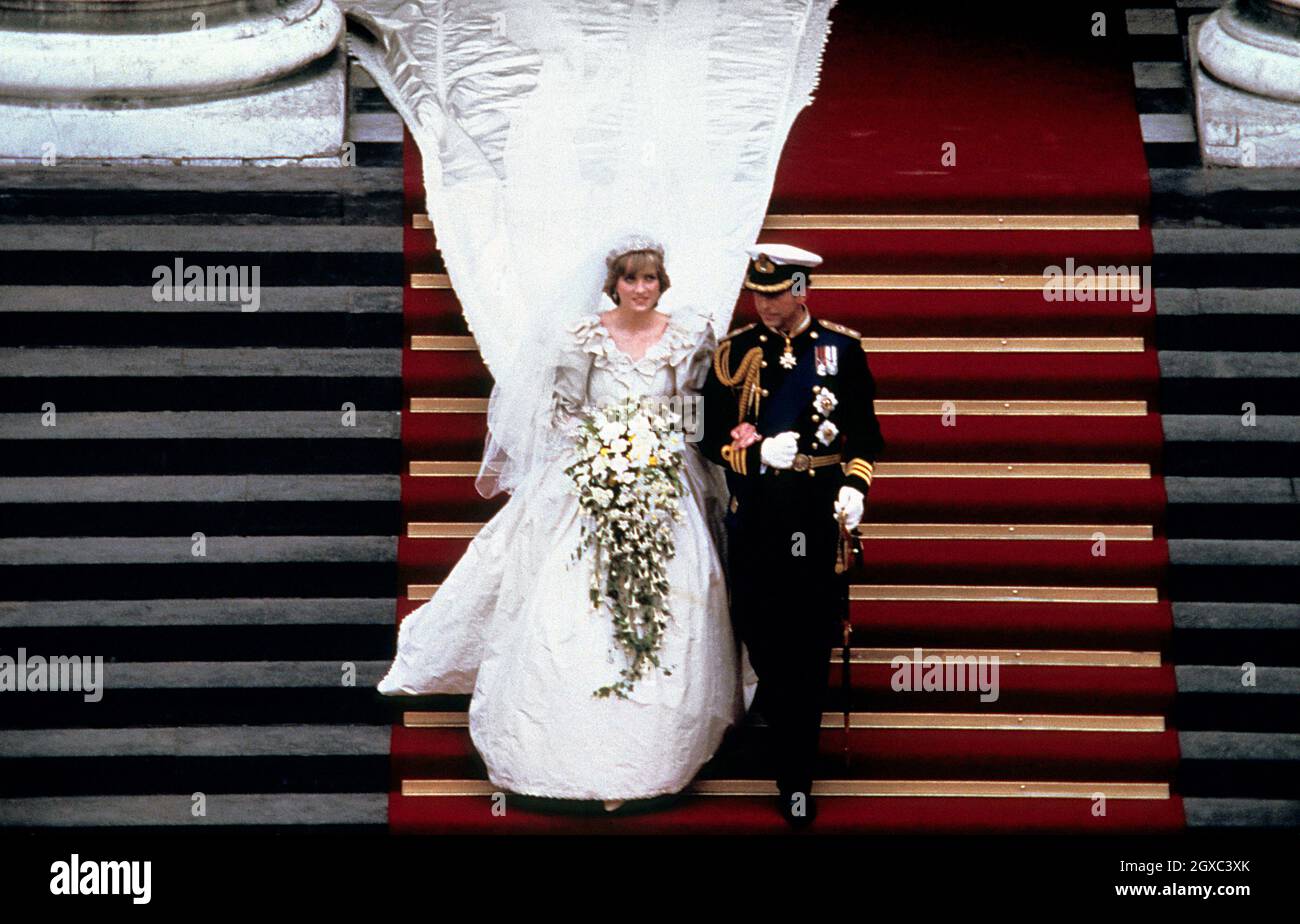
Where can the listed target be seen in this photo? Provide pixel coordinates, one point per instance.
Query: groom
(788, 412)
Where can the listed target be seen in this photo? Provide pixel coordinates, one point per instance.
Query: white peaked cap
(784, 254)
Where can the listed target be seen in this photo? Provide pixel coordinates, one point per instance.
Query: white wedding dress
(513, 623)
(548, 130)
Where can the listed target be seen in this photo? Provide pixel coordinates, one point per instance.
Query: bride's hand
(743, 436)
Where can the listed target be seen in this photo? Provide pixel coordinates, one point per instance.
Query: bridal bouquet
(628, 480)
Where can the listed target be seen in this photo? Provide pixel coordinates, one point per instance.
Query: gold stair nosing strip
(977, 721)
(465, 468)
(426, 342)
(1003, 344)
(1038, 532)
(983, 593)
(995, 408)
(1005, 282)
(849, 788)
(978, 408)
(443, 342)
(950, 222)
(941, 788)
(1009, 656)
(954, 593)
(936, 222)
(995, 531)
(449, 405)
(938, 721)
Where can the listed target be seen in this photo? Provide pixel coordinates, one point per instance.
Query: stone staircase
(1233, 519)
(1228, 332)
(226, 674)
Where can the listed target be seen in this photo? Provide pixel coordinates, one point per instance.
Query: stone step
(188, 612)
(169, 362)
(1235, 633)
(1183, 490)
(137, 300)
(177, 550)
(1191, 428)
(181, 741)
(260, 238)
(1212, 334)
(232, 810)
(198, 454)
(1258, 197)
(207, 425)
(1212, 697)
(1228, 813)
(202, 195)
(159, 489)
(1179, 302)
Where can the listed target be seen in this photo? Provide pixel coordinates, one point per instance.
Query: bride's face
(638, 288)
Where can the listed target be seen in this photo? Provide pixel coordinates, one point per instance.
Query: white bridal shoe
(612, 805)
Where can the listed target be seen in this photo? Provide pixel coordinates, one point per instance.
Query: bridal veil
(551, 128)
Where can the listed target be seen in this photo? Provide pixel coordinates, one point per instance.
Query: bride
(514, 620)
(548, 129)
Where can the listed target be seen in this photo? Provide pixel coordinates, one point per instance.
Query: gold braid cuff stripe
(737, 460)
(861, 468)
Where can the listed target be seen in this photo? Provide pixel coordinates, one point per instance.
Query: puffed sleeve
(692, 358)
(695, 369)
(572, 373)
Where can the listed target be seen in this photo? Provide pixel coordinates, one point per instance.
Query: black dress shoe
(797, 815)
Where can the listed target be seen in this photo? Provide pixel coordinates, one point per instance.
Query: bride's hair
(635, 261)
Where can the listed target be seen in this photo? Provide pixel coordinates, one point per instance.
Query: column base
(1237, 128)
(296, 120)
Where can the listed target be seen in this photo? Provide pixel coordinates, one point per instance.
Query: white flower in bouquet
(627, 476)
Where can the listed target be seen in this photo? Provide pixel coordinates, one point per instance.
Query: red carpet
(1044, 123)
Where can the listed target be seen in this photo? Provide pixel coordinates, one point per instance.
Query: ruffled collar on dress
(680, 338)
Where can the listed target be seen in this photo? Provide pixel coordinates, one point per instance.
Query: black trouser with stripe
(787, 605)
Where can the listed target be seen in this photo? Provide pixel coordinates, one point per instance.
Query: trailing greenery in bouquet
(628, 479)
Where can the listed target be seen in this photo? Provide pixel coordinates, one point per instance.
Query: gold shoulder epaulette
(841, 329)
(740, 330)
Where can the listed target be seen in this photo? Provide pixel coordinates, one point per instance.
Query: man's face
(779, 310)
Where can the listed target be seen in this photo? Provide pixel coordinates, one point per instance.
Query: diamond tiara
(631, 243)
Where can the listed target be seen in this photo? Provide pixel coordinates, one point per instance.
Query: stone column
(1246, 74)
(208, 81)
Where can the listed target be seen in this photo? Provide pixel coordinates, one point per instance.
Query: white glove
(850, 504)
(779, 451)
